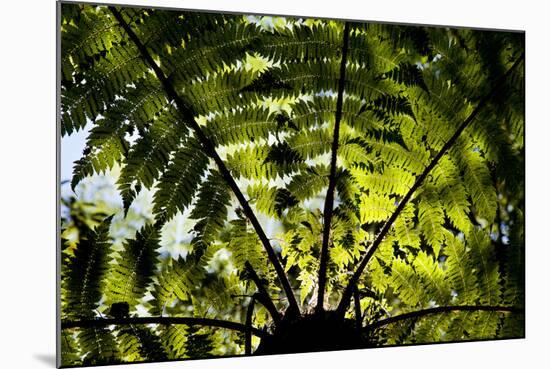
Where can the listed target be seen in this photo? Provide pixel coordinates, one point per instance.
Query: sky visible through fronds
(249, 180)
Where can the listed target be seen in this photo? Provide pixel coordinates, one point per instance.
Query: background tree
(349, 184)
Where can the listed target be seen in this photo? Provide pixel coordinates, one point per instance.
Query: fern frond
(87, 35)
(84, 279)
(379, 272)
(501, 147)
(408, 75)
(70, 351)
(221, 91)
(364, 84)
(302, 44)
(375, 208)
(404, 282)
(390, 180)
(479, 185)
(98, 346)
(308, 114)
(460, 325)
(242, 126)
(199, 343)
(210, 209)
(134, 268)
(149, 156)
(406, 228)
(386, 146)
(485, 326)
(353, 153)
(513, 272)
(180, 181)
(452, 194)
(431, 220)
(392, 105)
(111, 76)
(512, 327)
(346, 188)
(483, 255)
(174, 337)
(263, 198)
(105, 146)
(206, 54)
(257, 162)
(432, 278)
(310, 76)
(431, 329)
(245, 247)
(309, 182)
(423, 128)
(178, 279)
(373, 52)
(138, 343)
(310, 144)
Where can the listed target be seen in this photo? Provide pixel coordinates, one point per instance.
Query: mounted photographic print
(236, 184)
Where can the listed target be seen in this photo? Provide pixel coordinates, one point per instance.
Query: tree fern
(364, 178)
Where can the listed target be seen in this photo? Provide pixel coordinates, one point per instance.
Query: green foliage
(135, 267)
(231, 135)
(99, 346)
(460, 272)
(85, 271)
(199, 345)
(180, 181)
(139, 343)
(210, 210)
(245, 247)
